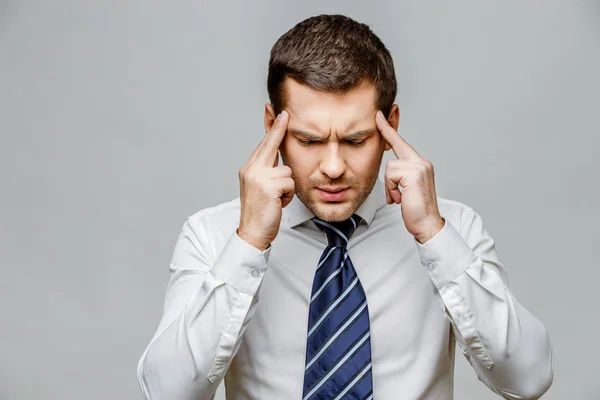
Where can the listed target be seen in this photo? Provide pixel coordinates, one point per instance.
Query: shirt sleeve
(208, 303)
(507, 346)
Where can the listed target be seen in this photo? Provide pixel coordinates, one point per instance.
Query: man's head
(332, 74)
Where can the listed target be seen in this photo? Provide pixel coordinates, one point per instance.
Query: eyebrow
(316, 138)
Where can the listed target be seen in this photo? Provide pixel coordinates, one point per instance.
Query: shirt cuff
(446, 255)
(242, 265)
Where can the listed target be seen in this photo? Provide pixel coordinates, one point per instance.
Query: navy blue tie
(338, 351)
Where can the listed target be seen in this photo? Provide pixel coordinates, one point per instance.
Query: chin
(333, 212)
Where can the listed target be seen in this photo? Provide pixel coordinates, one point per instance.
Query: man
(354, 288)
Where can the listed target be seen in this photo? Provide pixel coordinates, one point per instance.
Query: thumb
(394, 191)
(286, 199)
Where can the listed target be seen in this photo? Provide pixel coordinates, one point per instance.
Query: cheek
(367, 156)
(284, 149)
(290, 146)
(294, 156)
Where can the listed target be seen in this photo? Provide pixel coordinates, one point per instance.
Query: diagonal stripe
(337, 366)
(338, 348)
(339, 331)
(333, 274)
(326, 257)
(333, 228)
(337, 318)
(333, 289)
(351, 385)
(364, 387)
(332, 306)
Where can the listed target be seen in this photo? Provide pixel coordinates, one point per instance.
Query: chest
(401, 299)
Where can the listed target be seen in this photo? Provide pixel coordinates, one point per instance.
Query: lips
(332, 193)
(332, 189)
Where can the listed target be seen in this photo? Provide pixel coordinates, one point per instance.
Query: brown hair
(333, 53)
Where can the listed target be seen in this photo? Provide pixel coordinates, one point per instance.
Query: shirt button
(431, 265)
(255, 273)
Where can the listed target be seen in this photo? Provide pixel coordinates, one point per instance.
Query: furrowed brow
(307, 135)
(359, 134)
(313, 137)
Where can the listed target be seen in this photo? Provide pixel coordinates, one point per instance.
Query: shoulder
(218, 220)
(452, 205)
(455, 211)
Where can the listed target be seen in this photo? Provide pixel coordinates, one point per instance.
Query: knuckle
(287, 170)
(251, 175)
(283, 171)
(242, 172)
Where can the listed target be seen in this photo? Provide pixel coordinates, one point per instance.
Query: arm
(506, 345)
(209, 300)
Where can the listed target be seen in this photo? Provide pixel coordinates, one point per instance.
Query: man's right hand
(265, 189)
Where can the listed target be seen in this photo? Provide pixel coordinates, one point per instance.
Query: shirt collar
(296, 212)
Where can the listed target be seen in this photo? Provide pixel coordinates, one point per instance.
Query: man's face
(332, 146)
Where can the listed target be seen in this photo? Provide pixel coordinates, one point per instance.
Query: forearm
(201, 330)
(189, 358)
(507, 346)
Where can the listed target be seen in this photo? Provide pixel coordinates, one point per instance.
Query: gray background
(118, 119)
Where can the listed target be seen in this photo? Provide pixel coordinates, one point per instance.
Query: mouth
(333, 193)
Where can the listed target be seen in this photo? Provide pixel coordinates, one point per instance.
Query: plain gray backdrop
(118, 119)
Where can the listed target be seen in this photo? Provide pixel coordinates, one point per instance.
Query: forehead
(323, 111)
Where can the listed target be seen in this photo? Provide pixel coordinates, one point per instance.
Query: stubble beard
(336, 212)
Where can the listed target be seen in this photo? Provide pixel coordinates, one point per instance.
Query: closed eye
(356, 143)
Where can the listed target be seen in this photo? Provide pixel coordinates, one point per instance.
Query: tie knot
(338, 233)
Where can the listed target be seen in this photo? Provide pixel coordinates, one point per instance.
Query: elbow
(542, 375)
(534, 388)
(142, 377)
(529, 388)
(153, 378)
(156, 381)
(532, 364)
(542, 381)
(161, 376)
(535, 382)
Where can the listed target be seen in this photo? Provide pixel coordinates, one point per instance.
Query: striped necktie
(338, 351)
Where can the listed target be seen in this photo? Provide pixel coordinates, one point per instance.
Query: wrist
(261, 245)
(431, 230)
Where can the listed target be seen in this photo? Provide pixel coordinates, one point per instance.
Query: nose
(333, 165)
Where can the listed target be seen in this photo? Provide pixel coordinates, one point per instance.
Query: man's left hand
(416, 177)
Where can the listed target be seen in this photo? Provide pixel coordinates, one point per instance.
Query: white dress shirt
(234, 312)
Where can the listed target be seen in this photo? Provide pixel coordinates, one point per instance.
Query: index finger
(273, 140)
(257, 149)
(399, 146)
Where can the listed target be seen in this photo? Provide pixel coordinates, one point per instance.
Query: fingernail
(283, 114)
(380, 114)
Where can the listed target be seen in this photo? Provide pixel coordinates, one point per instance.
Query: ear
(269, 117)
(393, 120)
